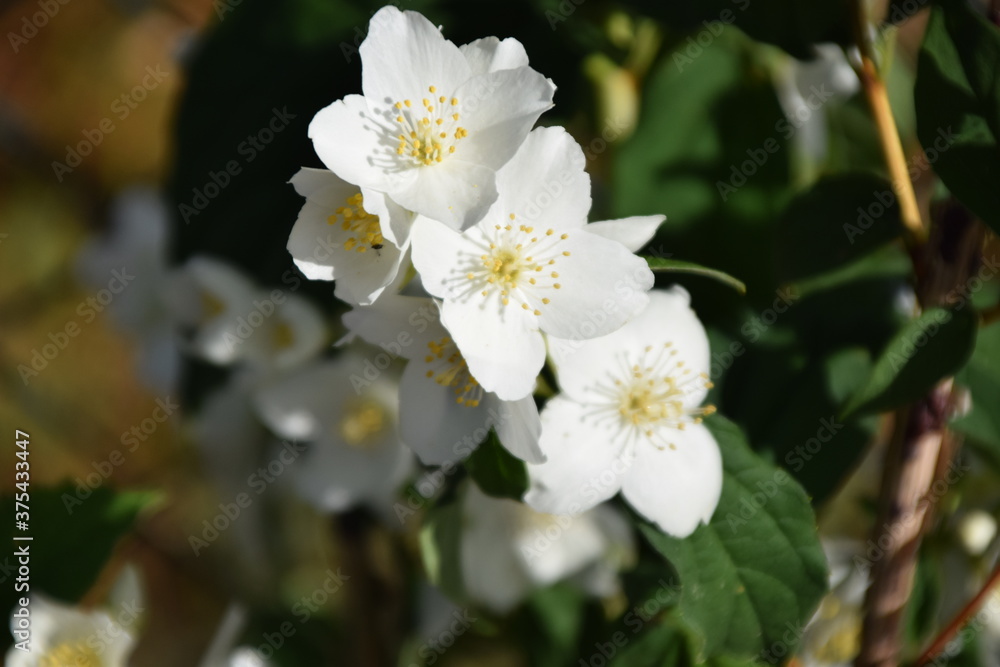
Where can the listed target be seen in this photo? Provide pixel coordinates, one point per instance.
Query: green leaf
(757, 568)
(440, 547)
(65, 525)
(496, 471)
(839, 219)
(926, 350)
(981, 376)
(664, 265)
(957, 97)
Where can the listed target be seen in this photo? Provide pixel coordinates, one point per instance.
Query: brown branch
(960, 619)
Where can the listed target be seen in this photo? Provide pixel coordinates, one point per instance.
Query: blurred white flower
(530, 266)
(348, 235)
(62, 634)
(435, 122)
(230, 320)
(444, 413)
(833, 636)
(628, 419)
(509, 550)
(137, 240)
(350, 420)
(223, 652)
(805, 87)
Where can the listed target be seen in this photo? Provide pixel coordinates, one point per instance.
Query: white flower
(347, 235)
(628, 419)
(833, 636)
(444, 413)
(435, 122)
(62, 634)
(531, 266)
(351, 423)
(231, 320)
(508, 550)
(137, 241)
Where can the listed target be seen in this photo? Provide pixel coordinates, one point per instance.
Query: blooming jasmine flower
(347, 235)
(444, 413)
(435, 122)
(628, 419)
(509, 550)
(230, 320)
(355, 453)
(531, 266)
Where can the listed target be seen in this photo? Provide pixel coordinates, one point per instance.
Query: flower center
(519, 266)
(449, 369)
(427, 136)
(282, 336)
(70, 654)
(362, 423)
(646, 399)
(364, 227)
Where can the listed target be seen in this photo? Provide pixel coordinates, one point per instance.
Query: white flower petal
(400, 325)
(455, 192)
(491, 54)
(393, 218)
(295, 405)
(545, 184)
(296, 331)
(585, 462)
(676, 487)
(498, 110)
(667, 319)
(553, 548)
(519, 428)
(353, 143)
(492, 574)
(404, 54)
(603, 285)
(335, 477)
(503, 353)
(633, 233)
(432, 424)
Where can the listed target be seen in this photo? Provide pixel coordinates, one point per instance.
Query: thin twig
(959, 621)
(885, 123)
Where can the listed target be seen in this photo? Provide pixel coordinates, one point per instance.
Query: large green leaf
(926, 350)
(757, 567)
(981, 376)
(69, 522)
(496, 471)
(957, 98)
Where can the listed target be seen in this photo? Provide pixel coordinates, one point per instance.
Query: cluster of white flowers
(460, 236)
